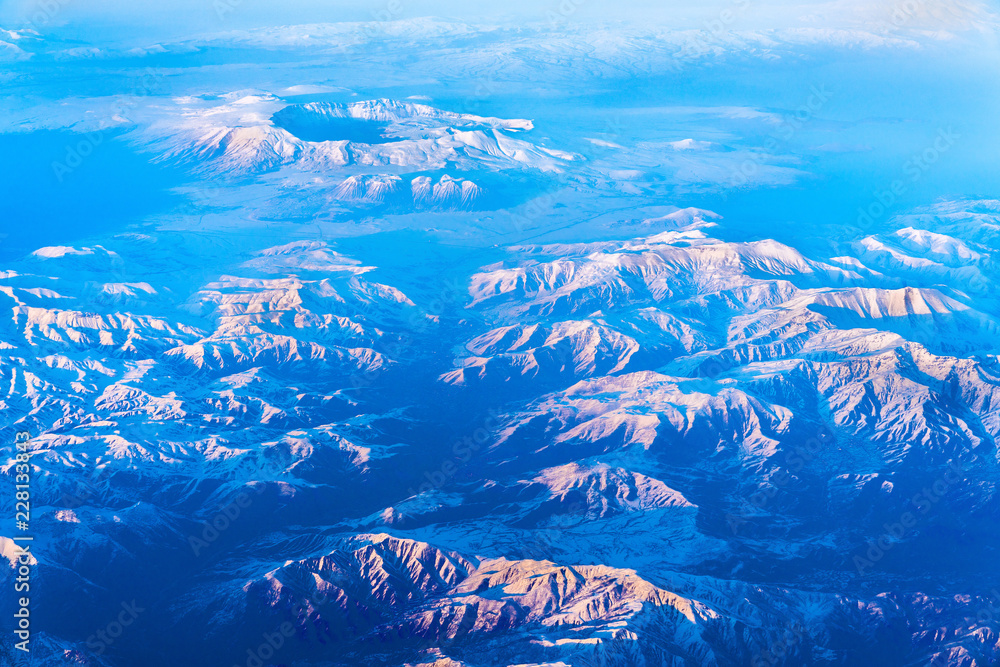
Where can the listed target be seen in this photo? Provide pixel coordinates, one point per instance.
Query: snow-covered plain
(437, 342)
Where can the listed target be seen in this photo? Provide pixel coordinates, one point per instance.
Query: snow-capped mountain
(675, 388)
(564, 343)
